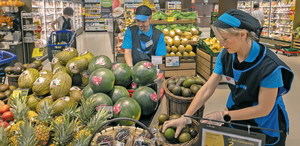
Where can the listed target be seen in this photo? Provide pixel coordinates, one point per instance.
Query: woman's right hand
(179, 124)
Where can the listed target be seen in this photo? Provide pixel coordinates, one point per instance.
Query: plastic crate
(6, 59)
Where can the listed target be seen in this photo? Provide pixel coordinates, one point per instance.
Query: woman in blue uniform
(256, 77)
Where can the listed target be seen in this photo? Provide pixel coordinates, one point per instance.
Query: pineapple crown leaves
(82, 141)
(3, 137)
(86, 111)
(64, 132)
(70, 112)
(19, 108)
(44, 115)
(28, 137)
(98, 120)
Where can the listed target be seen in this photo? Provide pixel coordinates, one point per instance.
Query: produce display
(18, 67)
(179, 15)
(297, 33)
(213, 44)
(187, 134)
(11, 3)
(185, 86)
(5, 91)
(179, 39)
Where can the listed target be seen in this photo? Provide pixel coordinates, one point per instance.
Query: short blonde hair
(234, 31)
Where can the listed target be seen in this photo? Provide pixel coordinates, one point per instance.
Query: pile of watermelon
(109, 83)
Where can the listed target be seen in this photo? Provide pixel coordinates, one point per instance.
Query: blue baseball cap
(142, 13)
(238, 19)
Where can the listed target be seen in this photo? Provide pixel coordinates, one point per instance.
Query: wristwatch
(226, 116)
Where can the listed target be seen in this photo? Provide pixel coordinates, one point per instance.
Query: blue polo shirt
(161, 49)
(274, 80)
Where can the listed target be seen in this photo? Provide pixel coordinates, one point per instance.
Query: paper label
(39, 80)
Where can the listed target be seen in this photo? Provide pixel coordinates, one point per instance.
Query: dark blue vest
(139, 53)
(246, 89)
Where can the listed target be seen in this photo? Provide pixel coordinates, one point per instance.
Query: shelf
(173, 22)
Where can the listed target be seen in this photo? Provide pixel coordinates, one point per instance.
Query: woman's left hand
(214, 116)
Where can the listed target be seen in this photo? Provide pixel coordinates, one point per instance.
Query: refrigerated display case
(48, 10)
(279, 20)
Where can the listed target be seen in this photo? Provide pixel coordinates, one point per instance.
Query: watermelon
(118, 92)
(102, 80)
(129, 108)
(147, 98)
(144, 73)
(100, 99)
(122, 73)
(87, 91)
(97, 62)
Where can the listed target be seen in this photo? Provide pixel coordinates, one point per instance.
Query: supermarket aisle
(99, 43)
(292, 100)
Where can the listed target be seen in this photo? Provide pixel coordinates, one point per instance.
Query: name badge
(227, 79)
(149, 43)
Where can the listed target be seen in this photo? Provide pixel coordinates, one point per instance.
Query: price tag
(156, 60)
(37, 52)
(172, 61)
(170, 19)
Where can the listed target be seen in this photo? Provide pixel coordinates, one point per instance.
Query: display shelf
(173, 22)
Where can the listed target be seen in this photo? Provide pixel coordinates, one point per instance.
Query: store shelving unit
(278, 18)
(49, 10)
(93, 22)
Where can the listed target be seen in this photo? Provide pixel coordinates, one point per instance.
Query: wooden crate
(205, 64)
(187, 67)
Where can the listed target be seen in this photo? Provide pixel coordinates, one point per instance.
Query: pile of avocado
(185, 86)
(188, 133)
(18, 67)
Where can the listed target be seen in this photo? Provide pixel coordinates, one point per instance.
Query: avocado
(171, 81)
(195, 88)
(171, 87)
(188, 82)
(186, 92)
(176, 90)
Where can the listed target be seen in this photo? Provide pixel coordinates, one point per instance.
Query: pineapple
(42, 129)
(94, 124)
(31, 115)
(20, 109)
(59, 120)
(64, 131)
(27, 137)
(3, 137)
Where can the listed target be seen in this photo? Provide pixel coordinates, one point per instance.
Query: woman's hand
(214, 116)
(178, 123)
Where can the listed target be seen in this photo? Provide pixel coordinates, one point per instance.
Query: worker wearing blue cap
(256, 77)
(142, 41)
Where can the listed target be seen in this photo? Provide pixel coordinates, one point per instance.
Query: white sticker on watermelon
(39, 80)
(100, 61)
(55, 82)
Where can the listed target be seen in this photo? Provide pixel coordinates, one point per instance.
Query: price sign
(37, 52)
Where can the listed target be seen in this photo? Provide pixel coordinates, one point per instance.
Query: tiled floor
(100, 45)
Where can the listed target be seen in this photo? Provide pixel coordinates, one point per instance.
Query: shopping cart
(6, 58)
(58, 40)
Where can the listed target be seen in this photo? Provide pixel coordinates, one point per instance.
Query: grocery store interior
(66, 77)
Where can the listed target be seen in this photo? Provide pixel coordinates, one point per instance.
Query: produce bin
(179, 104)
(5, 59)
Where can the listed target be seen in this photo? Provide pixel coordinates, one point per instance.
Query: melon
(102, 80)
(87, 91)
(97, 62)
(147, 99)
(118, 92)
(144, 73)
(129, 108)
(122, 74)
